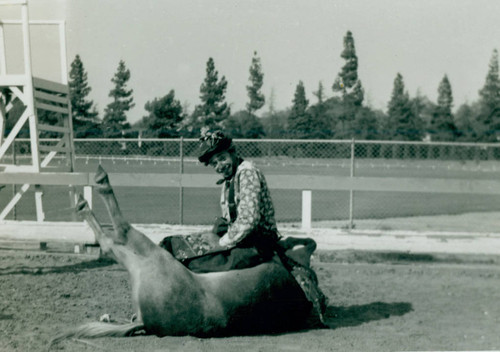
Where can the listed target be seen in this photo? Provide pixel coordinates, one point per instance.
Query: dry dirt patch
(375, 305)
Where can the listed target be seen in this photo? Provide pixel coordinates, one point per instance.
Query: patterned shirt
(254, 207)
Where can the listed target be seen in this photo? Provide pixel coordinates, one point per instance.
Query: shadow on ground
(338, 317)
(397, 257)
(60, 269)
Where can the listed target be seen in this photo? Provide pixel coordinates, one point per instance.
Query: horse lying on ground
(169, 299)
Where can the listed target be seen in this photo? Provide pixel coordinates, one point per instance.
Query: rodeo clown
(247, 209)
(246, 233)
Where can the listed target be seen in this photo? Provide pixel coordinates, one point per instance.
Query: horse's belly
(256, 300)
(261, 299)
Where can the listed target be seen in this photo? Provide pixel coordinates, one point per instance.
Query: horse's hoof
(102, 181)
(105, 318)
(81, 204)
(101, 176)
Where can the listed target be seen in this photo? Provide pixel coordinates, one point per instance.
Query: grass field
(161, 205)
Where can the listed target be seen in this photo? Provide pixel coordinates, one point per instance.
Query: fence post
(351, 192)
(306, 209)
(87, 195)
(40, 215)
(72, 201)
(181, 189)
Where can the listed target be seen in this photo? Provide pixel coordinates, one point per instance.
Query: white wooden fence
(295, 182)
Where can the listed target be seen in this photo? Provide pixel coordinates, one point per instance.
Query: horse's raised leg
(147, 263)
(83, 210)
(106, 243)
(122, 228)
(120, 225)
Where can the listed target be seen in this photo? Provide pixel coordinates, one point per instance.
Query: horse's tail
(98, 329)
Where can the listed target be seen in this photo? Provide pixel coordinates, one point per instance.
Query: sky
(167, 43)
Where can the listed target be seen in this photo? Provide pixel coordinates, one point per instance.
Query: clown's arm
(248, 211)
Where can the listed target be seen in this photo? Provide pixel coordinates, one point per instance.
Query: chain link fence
(288, 157)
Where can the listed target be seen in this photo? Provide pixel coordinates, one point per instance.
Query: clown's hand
(220, 226)
(225, 241)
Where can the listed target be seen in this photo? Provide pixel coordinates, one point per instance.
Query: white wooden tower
(36, 95)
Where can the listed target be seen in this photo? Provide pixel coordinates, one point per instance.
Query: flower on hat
(212, 143)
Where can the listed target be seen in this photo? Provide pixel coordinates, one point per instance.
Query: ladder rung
(53, 108)
(51, 128)
(40, 83)
(52, 97)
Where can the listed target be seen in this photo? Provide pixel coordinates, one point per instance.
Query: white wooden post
(62, 52)
(306, 209)
(3, 118)
(40, 215)
(28, 89)
(3, 60)
(87, 194)
(3, 71)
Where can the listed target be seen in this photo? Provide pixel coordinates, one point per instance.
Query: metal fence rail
(288, 150)
(268, 148)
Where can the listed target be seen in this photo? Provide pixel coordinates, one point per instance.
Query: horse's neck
(137, 247)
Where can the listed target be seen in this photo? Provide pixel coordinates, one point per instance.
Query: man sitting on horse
(247, 208)
(246, 233)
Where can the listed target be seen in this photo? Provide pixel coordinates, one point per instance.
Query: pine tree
(348, 85)
(299, 119)
(442, 126)
(423, 108)
(165, 116)
(243, 124)
(83, 111)
(490, 93)
(489, 117)
(320, 126)
(257, 98)
(115, 119)
(402, 122)
(272, 101)
(214, 110)
(466, 121)
(445, 95)
(365, 125)
(347, 81)
(320, 93)
(274, 122)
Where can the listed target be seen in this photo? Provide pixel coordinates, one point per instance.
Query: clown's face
(224, 163)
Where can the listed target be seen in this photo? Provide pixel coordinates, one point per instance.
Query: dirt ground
(378, 302)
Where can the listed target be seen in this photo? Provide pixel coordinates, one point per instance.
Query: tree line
(345, 115)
